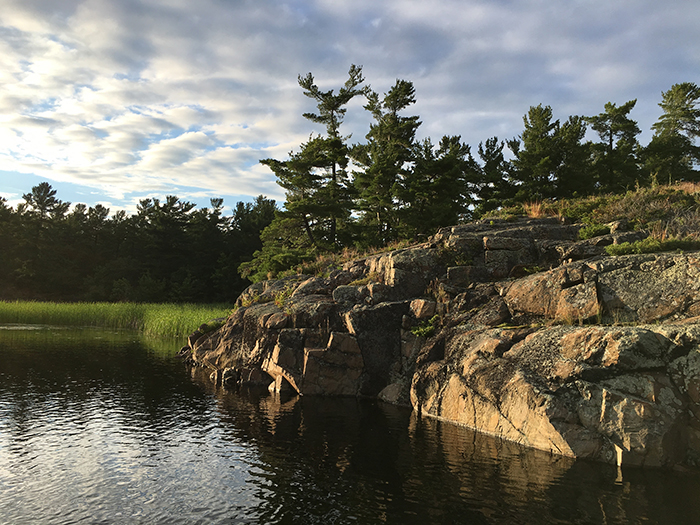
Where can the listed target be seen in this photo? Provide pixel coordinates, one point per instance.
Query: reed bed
(156, 319)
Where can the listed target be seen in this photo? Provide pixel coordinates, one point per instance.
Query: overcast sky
(112, 101)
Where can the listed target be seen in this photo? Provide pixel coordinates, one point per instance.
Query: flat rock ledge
(512, 328)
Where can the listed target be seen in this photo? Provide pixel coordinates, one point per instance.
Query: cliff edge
(512, 328)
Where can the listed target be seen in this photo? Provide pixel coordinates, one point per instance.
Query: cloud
(136, 97)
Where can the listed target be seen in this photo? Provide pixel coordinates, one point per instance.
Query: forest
(391, 187)
(168, 251)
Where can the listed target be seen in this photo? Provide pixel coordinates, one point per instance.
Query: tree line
(393, 186)
(390, 187)
(168, 251)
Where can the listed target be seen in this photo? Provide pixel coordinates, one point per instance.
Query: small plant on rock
(427, 327)
(211, 326)
(529, 270)
(280, 298)
(593, 230)
(534, 210)
(372, 277)
(250, 300)
(652, 245)
(437, 291)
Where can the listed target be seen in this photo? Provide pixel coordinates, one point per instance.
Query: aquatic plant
(160, 319)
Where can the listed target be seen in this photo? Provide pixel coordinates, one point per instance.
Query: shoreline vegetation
(395, 187)
(670, 214)
(152, 319)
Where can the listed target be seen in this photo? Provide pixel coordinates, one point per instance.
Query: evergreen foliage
(672, 153)
(438, 191)
(402, 188)
(390, 188)
(550, 159)
(615, 157)
(167, 252)
(384, 163)
(495, 186)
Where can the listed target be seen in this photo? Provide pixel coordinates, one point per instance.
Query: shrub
(652, 245)
(593, 230)
(427, 327)
(280, 298)
(372, 277)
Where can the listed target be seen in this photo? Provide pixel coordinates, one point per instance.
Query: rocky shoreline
(512, 328)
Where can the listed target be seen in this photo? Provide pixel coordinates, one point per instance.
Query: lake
(105, 427)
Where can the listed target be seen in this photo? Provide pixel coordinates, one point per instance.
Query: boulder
(286, 362)
(423, 308)
(406, 272)
(649, 288)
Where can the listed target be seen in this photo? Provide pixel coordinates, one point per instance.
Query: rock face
(591, 392)
(515, 329)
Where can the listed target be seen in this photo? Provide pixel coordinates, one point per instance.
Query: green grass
(167, 320)
(670, 211)
(651, 245)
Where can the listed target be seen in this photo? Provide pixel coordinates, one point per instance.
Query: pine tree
(384, 160)
(550, 159)
(495, 185)
(318, 192)
(615, 156)
(535, 159)
(438, 190)
(672, 154)
(573, 175)
(319, 195)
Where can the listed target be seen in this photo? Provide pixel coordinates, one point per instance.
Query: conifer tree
(535, 155)
(384, 160)
(438, 190)
(672, 153)
(550, 159)
(495, 185)
(573, 175)
(319, 195)
(42, 202)
(615, 156)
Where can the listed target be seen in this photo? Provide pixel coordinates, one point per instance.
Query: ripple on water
(108, 433)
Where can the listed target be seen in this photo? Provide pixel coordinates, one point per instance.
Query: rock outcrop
(516, 329)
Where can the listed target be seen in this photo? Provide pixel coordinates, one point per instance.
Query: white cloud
(139, 96)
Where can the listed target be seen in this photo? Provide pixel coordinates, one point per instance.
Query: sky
(114, 101)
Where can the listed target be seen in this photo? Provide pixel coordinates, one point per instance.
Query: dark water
(99, 427)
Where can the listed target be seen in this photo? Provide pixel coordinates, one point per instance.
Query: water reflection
(105, 427)
(371, 462)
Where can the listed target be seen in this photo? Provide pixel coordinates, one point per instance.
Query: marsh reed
(157, 319)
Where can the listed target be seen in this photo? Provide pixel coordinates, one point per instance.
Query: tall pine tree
(615, 156)
(384, 161)
(439, 190)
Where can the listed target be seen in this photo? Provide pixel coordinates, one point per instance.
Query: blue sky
(113, 101)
